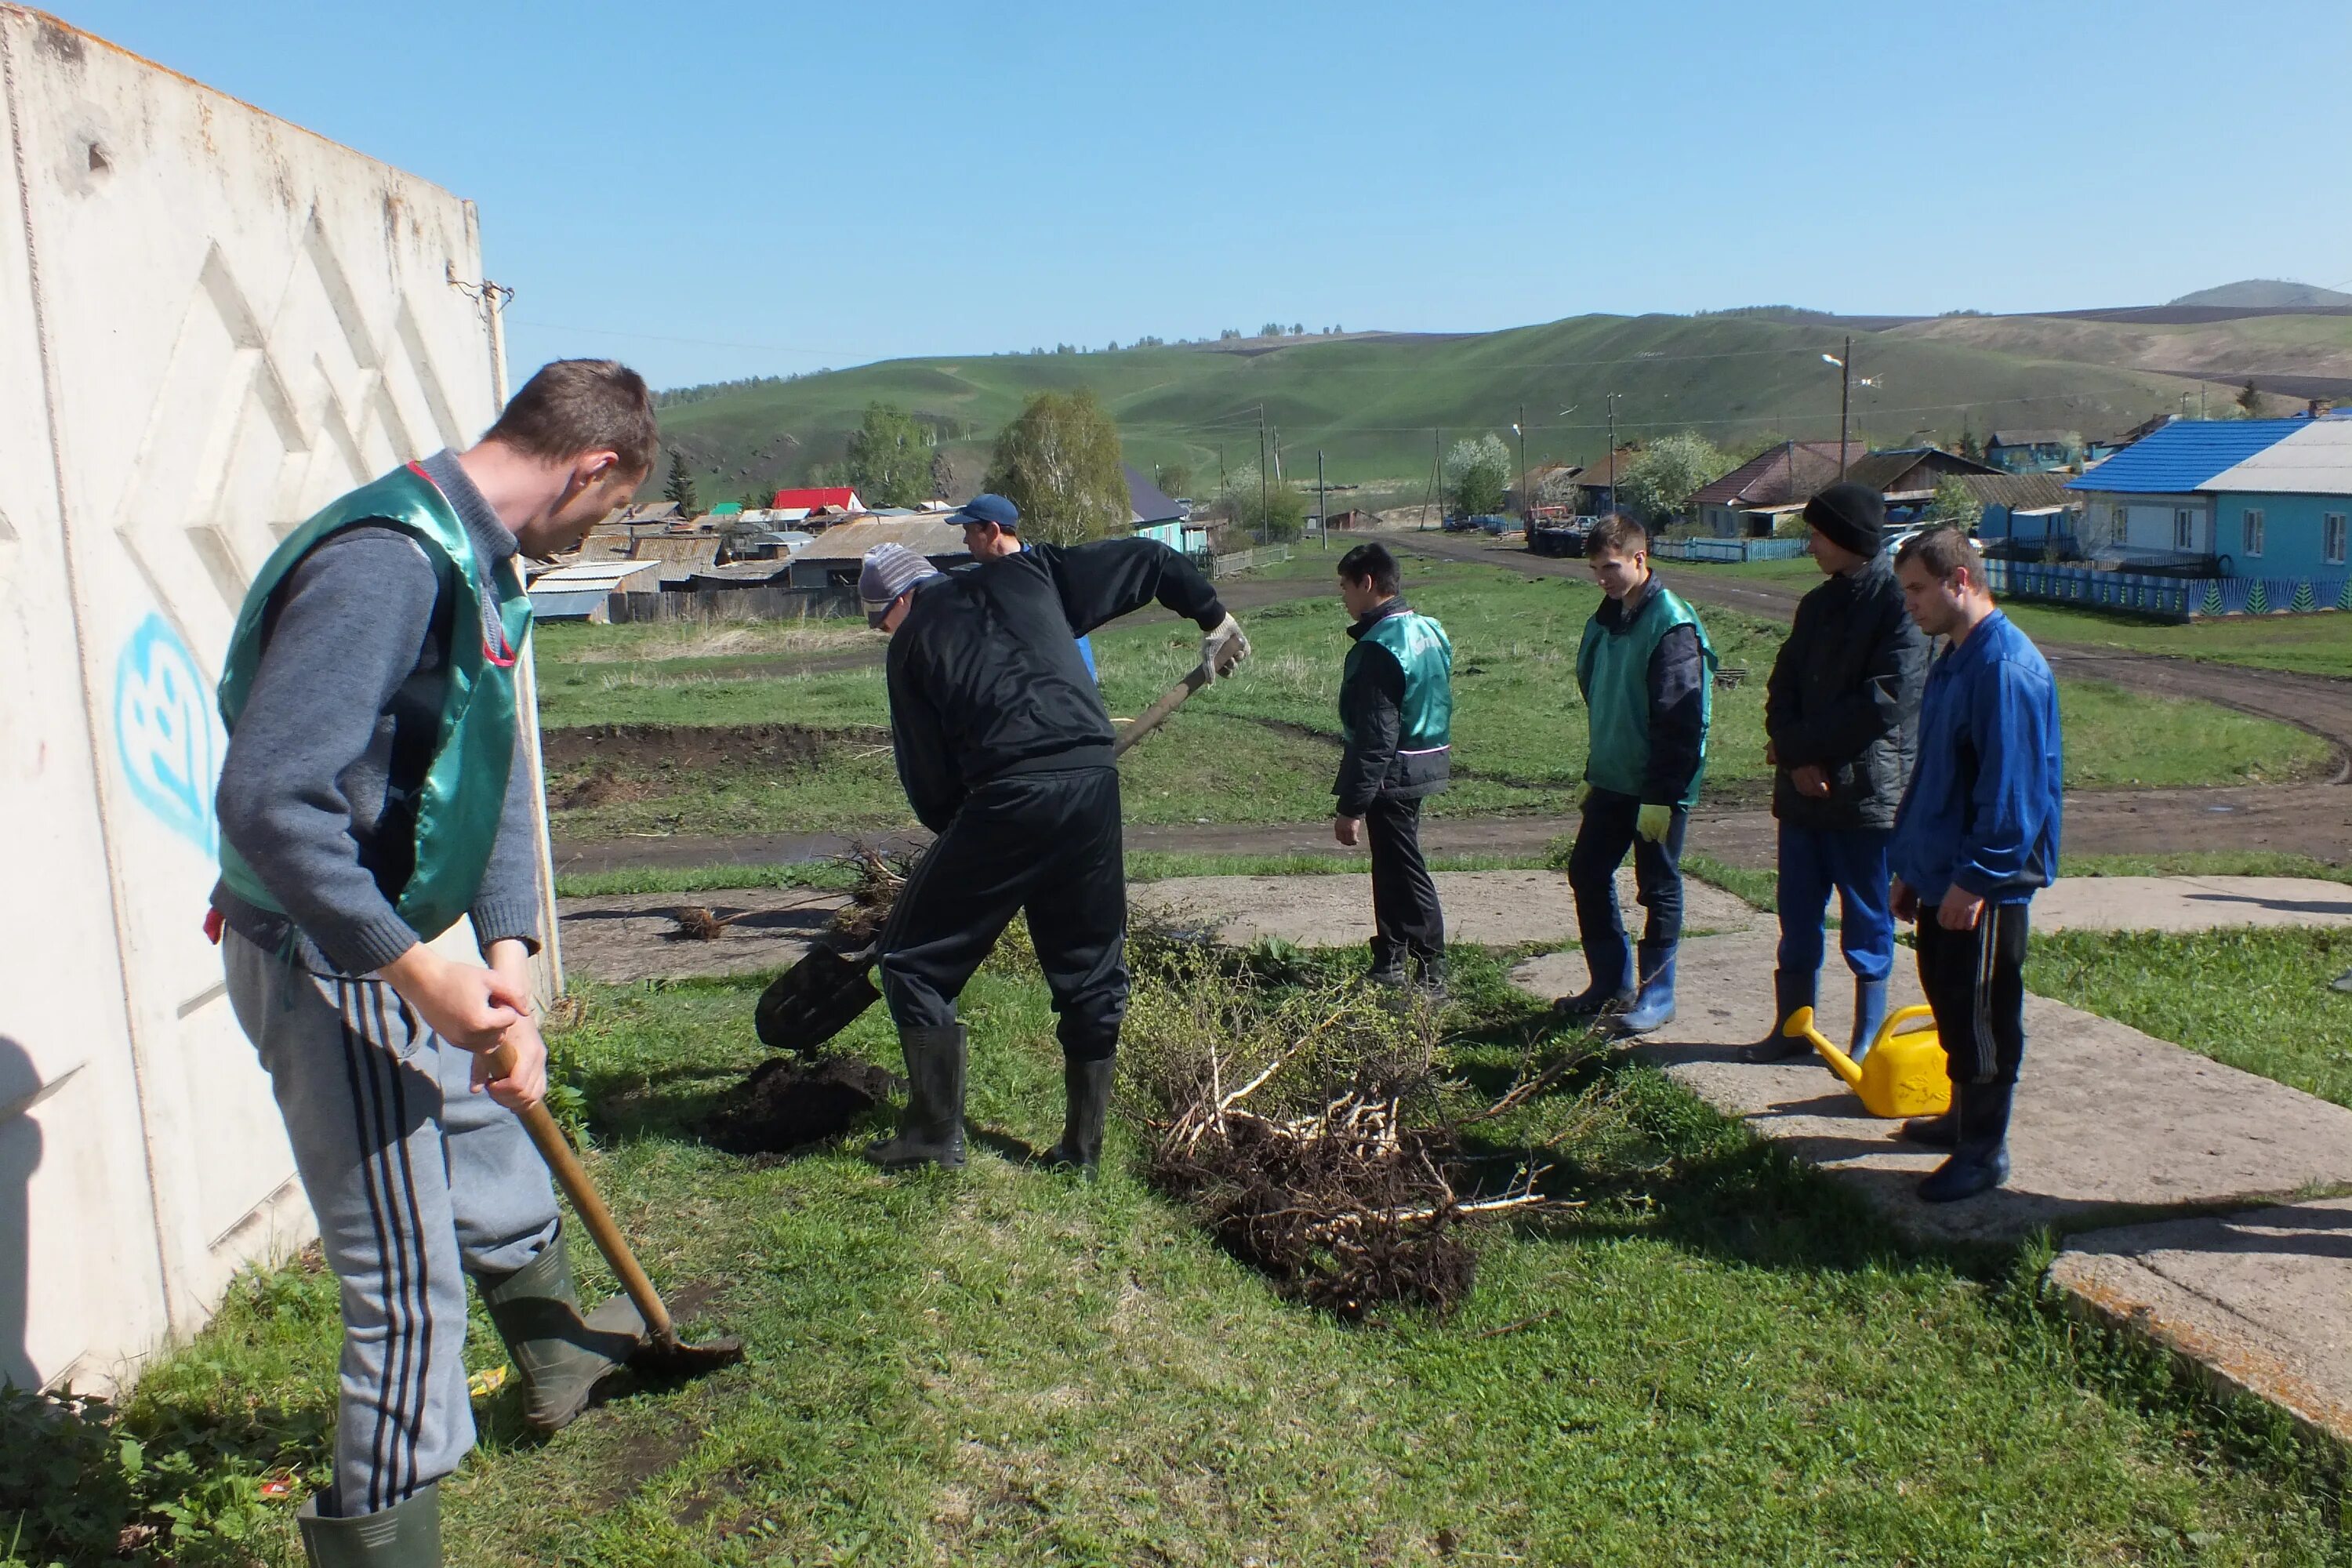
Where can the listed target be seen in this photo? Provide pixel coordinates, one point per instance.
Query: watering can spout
(1800, 1026)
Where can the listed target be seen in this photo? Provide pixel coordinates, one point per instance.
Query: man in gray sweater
(375, 792)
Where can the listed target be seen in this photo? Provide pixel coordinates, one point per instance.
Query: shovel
(823, 993)
(661, 1353)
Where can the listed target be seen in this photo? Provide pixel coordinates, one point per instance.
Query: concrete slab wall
(211, 324)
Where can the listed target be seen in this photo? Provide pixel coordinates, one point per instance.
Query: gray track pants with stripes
(416, 1182)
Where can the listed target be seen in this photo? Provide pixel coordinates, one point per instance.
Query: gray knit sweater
(335, 736)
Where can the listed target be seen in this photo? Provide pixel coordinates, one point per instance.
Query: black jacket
(1844, 696)
(1372, 709)
(984, 675)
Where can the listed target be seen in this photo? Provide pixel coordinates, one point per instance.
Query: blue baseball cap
(989, 508)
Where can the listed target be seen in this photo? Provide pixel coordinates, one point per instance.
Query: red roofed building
(841, 495)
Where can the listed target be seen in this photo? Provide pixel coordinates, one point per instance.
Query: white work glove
(1223, 649)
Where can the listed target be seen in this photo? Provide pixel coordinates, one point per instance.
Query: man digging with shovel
(1004, 749)
(372, 795)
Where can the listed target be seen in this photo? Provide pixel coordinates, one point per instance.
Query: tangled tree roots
(880, 879)
(1347, 1199)
(696, 924)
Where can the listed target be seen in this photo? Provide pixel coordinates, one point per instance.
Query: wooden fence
(730, 605)
(1249, 560)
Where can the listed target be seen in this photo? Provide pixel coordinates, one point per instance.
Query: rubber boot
(1935, 1131)
(1790, 992)
(562, 1353)
(1869, 1016)
(1431, 983)
(406, 1535)
(1085, 1085)
(1388, 969)
(931, 1129)
(1979, 1161)
(1653, 1004)
(1612, 963)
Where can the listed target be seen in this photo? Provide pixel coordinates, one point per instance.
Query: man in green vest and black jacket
(1647, 673)
(375, 791)
(1396, 712)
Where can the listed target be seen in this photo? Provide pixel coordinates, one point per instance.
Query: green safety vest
(463, 794)
(1614, 668)
(1423, 652)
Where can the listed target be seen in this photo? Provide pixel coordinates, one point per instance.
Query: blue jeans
(1602, 840)
(1853, 861)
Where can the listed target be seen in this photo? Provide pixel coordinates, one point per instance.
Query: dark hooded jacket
(1844, 696)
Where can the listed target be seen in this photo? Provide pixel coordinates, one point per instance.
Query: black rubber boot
(1790, 992)
(406, 1535)
(1611, 960)
(1934, 1131)
(1431, 983)
(562, 1353)
(1087, 1087)
(931, 1129)
(1979, 1161)
(1386, 970)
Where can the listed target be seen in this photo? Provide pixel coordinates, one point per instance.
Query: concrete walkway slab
(632, 936)
(2262, 1301)
(2190, 903)
(2110, 1123)
(1498, 909)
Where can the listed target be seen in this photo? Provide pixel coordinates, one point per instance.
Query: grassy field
(2311, 645)
(2258, 1000)
(1262, 747)
(1370, 405)
(1717, 1359)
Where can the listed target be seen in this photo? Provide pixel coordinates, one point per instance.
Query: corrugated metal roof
(1789, 473)
(926, 536)
(2027, 439)
(2314, 460)
(589, 574)
(816, 496)
(2019, 492)
(2182, 456)
(1148, 501)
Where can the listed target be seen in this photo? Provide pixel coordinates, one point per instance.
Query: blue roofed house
(2197, 517)
(2281, 515)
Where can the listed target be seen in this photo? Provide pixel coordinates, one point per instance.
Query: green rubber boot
(562, 1353)
(406, 1535)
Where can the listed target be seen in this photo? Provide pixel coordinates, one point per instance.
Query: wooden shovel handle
(565, 1166)
(1151, 717)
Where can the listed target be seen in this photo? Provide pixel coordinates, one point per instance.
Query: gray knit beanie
(889, 570)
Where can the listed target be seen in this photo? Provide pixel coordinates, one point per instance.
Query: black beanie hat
(1850, 514)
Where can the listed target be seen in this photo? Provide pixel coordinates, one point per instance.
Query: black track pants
(1975, 981)
(1406, 919)
(1047, 842)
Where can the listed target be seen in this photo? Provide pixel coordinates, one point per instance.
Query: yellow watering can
(1902, 1074)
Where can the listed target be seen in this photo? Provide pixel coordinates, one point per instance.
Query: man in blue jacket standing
(1976, 836)
(1396, 712)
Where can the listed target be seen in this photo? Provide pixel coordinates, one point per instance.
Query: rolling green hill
(1376, 403)
(2266, 291)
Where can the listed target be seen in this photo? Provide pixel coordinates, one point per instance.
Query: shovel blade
(814, 1000)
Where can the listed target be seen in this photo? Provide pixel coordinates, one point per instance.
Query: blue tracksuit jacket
(1983, 805)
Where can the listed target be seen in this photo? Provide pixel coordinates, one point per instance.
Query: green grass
(702, 879)
(2205, 863)
(1261, 746)
(2255, 999)
(1759, 889)
(2312, 645)
(1718, 1359)
(1143, 866)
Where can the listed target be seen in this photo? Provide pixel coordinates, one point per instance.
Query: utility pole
(1437, 468)
(1261, 473)
(1612, 452)
(1322, 507)
(1846, 401)
(1526, 502)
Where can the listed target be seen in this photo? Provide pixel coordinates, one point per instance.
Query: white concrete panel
(217, 322)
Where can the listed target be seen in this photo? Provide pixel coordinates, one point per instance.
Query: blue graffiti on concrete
(164, 728)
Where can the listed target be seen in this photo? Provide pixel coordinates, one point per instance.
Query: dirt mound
(788, 1103)
(643, 747)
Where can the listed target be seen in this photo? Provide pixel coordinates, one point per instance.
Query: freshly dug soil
(790, 1103)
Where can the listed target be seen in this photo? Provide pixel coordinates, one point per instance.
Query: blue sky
(714, 188)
